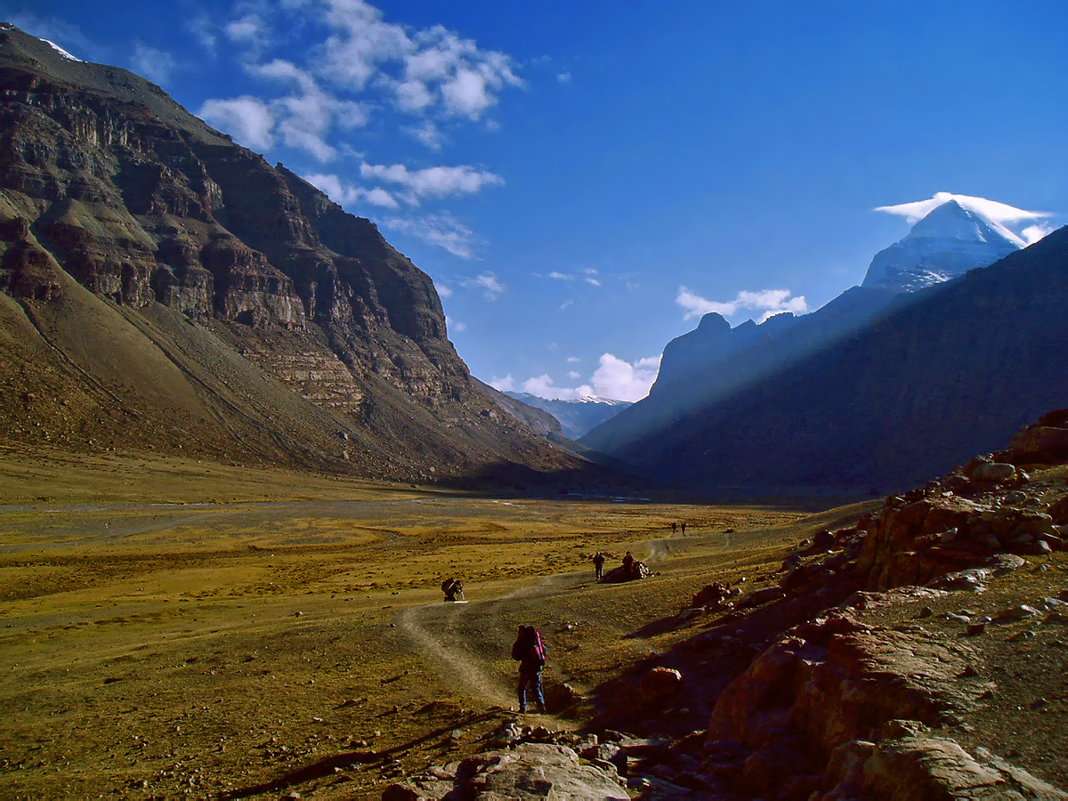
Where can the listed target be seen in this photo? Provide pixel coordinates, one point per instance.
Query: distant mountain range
(890, 382)
(576, 417)
(165, 290)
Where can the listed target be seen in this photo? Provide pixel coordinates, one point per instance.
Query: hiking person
(628, 564)
(598, 565)
(674, 527)
(683, 528)
(529, 650)
(452, 587)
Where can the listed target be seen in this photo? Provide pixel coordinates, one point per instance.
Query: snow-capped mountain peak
(955, 221)
(956, 233)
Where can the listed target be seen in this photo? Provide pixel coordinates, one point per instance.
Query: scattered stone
(659, 685)
(1020, 612)
(975, 629)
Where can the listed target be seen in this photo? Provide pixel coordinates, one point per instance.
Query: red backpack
(537, 647)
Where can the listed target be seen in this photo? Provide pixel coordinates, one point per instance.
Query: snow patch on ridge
(62, 52)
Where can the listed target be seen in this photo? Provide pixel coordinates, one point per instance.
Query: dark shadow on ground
(326, 767)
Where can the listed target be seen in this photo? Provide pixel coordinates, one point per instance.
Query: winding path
(437, 630)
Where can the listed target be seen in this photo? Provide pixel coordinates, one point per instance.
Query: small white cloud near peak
(619, 379)
(506, 384)
(769, 301)
(543, 387)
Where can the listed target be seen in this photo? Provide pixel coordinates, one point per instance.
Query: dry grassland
(173, 628)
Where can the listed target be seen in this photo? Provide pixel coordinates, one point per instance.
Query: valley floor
(172, 628)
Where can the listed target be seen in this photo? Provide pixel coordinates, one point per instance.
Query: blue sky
(580, 179)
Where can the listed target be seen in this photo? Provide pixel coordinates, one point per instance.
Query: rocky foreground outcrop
(835, 678)
(163, 289)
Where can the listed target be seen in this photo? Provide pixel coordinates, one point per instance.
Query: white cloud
(378, 196)
(621, 380)
(614, 378)
(506, 384)
(360, 62)
(1001, 215)
(348, 194)
(573, 360)
(247, 30)
(433, 181)
(423, 70)
(543, 387)
(203, 31)
(248, 119)
(306, 116)
(443, 290)
(454, 325)
(563, 77)
(156, 65)
(1033, 233)
(567, 304)
(586, 277)
(428, 133)
(442, 230)
(770, 301)
(488, 283)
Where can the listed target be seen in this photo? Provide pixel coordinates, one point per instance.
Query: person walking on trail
(598, 564)
(628, 563)
(674, 527)
(529, 650)
(683, 528)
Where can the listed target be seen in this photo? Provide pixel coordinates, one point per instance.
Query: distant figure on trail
(674, 527)
(529, 650)
(683, 528)
(598, 565)
(628, 564)
(453, 589)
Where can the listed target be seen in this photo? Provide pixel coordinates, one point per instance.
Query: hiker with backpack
(530, 651)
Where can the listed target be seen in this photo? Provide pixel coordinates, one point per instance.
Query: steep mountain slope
(576, 417)
(162, 288)
(952, 373)
(715, 361)
(945, 244)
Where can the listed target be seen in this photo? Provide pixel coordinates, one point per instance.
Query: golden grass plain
(176, 628)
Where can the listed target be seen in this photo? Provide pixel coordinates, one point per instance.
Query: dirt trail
(440, 631)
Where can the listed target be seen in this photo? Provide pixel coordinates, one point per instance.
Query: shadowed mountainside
(955, 371)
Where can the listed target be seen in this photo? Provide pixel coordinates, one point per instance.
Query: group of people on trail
(675, 527)
(632, 568)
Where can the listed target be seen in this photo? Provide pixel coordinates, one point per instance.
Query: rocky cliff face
(202, 248)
